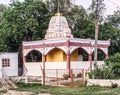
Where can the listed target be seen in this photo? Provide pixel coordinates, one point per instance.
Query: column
(25, 70)
(24, 59)
(68, 55)
(68, 63)
(44, 60)
(90, 59)
(106, 56)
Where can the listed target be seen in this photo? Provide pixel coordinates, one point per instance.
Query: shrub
(79, 75)
(73, 75)
(65, 76)
(114, 85)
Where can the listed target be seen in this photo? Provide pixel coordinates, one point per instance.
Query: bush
(114, 85)
(65, 76)
(73, 75)
(79, 75)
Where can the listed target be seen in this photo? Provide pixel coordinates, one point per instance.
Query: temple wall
(35, 68)
(74, 55)
(58, 55)
(64, 57)
(55, 55)
(102, 82)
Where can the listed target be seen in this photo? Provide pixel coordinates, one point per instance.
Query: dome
(58, 27)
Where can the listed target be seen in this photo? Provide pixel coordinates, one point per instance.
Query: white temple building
(60, 50)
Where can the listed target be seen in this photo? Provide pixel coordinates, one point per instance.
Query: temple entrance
(100, 55)
(56, 55)
(79, 55)
(83, 54)
(34, 56)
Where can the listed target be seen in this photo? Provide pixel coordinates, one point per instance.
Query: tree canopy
(28, 20)
(24, 21)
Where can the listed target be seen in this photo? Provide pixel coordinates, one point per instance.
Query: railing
(57, 77)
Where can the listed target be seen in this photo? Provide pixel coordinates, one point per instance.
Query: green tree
(3, 46)
(3, 8)
(24, 21)
(110, 70)
(114, 62)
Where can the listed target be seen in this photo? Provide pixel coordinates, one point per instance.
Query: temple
(60, 50)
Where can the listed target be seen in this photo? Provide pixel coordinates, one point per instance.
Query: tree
(24, 21)
(3, 46)
(110, 70)
(3, 8)
(114, 61)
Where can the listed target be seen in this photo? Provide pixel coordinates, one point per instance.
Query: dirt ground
(13, 92)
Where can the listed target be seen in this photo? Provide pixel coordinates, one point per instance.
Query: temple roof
(58, 27)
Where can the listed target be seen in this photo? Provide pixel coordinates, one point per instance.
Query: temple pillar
(68, 63)
(25, 69)
(68, 55)
(106, 56)
(44, 60)
(90, 59)
(24, 59)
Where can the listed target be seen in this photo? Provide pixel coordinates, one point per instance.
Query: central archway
(56, 55)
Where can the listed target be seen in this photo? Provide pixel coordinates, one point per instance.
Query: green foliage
(26, 21)
(20, 84)
(111, 33)
(3, 91)
(65, 76)
(114, 85)
(114, 62)
(111, 69)
(93, 90)
(79, 75)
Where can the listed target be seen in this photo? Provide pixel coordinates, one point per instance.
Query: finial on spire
(58, 10)
(58, 6)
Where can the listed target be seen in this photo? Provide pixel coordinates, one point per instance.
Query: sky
(111, 5)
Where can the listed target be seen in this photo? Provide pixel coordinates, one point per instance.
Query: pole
(98, 2)
(96, 33)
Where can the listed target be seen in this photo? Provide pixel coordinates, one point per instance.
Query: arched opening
(79, 54)
(83, 53)
(100, 55)
(34, 56)
(56, 55)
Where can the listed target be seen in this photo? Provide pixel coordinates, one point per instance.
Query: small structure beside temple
(60, 50)
(8, 64)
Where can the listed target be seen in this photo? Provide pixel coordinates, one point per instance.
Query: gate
(61, 77)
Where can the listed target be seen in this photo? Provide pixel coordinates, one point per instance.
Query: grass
(93, 90)
(2, 91)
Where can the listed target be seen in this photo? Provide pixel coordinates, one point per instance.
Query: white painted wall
(35, 68)
(12, 70)
(102, 82)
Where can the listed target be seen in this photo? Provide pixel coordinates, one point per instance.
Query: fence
(60, 77)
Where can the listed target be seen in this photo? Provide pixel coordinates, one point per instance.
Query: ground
(37, 89)
(13, 92)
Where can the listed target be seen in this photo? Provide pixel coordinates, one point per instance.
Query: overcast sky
(111, 5)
